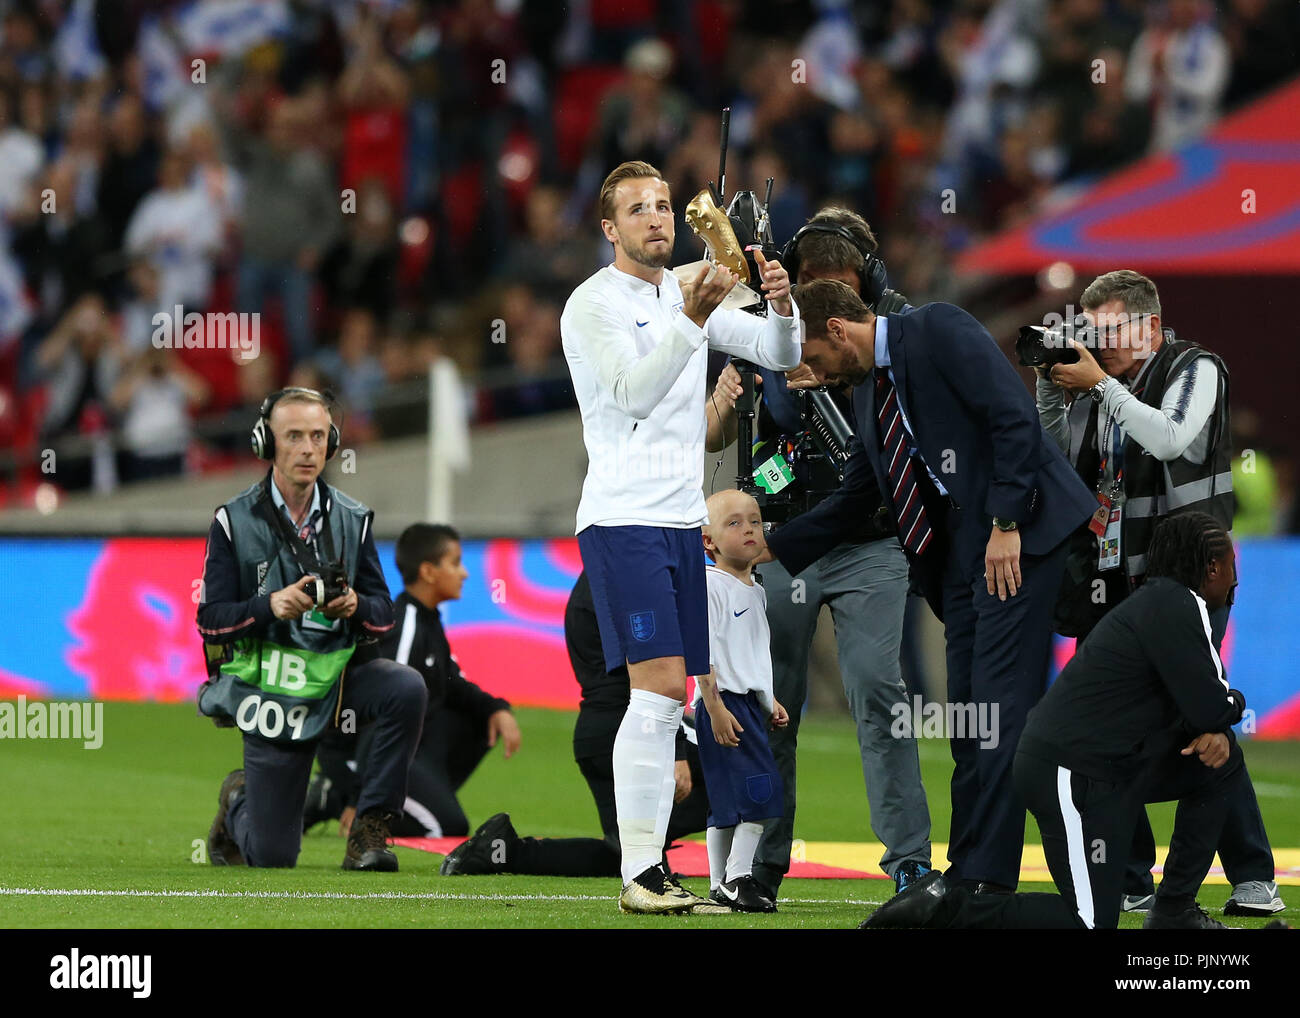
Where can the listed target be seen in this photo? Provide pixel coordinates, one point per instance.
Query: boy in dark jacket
(463, 721)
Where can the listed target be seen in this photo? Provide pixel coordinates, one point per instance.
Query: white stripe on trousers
(420, 812)
(409, 622)
(1075, 848)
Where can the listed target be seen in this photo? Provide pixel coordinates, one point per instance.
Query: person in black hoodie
(463, 722)
(1141, 713)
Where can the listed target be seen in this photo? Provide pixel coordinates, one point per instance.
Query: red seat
(577, 98)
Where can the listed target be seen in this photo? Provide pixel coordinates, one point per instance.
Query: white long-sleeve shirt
(639, 368)
(1180, 426)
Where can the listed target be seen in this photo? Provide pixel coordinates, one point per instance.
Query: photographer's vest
(283, 686)
(1154, 489)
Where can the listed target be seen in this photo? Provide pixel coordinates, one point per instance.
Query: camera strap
(310, 557)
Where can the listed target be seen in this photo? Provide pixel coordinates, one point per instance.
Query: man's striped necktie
(913, 527)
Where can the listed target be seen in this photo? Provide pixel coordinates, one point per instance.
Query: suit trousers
(997, 654)
(865, 586)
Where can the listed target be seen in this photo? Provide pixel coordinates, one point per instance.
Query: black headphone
(872, 277)
(262, 438)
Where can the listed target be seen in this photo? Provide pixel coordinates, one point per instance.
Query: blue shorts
(648, 587)
(743, 783)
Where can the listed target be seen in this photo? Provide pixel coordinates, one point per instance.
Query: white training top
(639, 370)
(738, 636)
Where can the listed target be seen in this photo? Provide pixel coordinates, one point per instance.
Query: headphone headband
(872, 278)
(262, 439)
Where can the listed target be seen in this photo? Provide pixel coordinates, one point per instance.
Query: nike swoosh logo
(740, 613)
(642, 324)
(733, 895)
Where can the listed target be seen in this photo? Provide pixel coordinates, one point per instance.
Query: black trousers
(600, 857)
(1087, 827)
(266, 821)
(453, 745)
(1243, 847)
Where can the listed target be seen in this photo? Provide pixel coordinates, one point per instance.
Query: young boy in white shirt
(735, 706)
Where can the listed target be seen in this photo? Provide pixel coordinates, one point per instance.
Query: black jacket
(419, 640)
(1145, 683)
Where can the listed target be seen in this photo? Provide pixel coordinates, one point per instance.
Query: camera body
(332, 584)
(1039, 346)
(767, 469)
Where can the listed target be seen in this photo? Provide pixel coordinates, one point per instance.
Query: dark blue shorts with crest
(649, 590)
(742, 781)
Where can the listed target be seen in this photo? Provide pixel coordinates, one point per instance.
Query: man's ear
(607, 228)
(835, 334)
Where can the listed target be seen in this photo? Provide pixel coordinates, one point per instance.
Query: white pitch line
(58, 892)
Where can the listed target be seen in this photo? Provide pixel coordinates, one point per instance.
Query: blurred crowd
(392, 181)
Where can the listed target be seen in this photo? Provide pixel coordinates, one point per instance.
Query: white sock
(639, 757)
(740, 861)
(719, 841)
(669, 792)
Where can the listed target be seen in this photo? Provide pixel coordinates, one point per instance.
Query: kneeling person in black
(1141, 713)
(462, 722)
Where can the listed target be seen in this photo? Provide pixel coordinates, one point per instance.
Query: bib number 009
(268, 718)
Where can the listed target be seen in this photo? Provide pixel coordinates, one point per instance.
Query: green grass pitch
(125, 819)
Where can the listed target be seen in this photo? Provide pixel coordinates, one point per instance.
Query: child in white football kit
(735, 705)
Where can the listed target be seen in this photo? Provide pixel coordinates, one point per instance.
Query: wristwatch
(1006, 526)
(1098, 391)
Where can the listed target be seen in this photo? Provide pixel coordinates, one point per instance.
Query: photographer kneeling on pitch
(291, 584)
(1152, 441)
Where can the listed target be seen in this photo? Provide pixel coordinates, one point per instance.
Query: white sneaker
(1254, 897)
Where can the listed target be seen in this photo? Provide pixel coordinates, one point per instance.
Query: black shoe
(986, 887)
(743, 895)
(1191, 918)
(368, 845)
(222, 850)
(908, 873)
(487, 850)
(913, 909)
(318, 808)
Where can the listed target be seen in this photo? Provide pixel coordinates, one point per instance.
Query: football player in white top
(636, 343)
